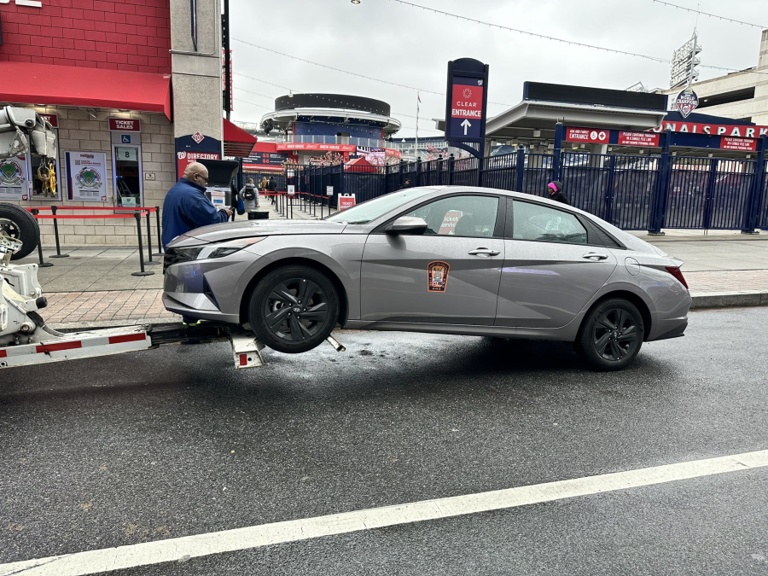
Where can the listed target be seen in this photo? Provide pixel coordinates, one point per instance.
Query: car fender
(343, 259)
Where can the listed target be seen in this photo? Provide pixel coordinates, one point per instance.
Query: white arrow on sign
(466, 124)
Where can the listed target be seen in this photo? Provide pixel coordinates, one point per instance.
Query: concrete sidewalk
(94, 286)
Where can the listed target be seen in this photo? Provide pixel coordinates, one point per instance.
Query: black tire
(294, 309)
(20, 225)
(611, 335)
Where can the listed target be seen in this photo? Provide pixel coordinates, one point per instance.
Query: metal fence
(632, 192)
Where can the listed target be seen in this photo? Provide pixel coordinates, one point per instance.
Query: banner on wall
(87, 176)
(13, 179)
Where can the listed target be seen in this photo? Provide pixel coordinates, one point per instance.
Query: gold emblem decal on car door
(437, 276)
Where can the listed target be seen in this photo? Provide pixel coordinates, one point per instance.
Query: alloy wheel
(615, 334)
(296, 309)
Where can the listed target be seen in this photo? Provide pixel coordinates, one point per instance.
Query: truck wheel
(19, 225)
(294, 309)
(611, 335)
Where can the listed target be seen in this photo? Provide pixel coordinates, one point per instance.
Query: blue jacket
(185, 208)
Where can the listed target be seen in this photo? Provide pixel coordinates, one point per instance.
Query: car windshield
(373, 209)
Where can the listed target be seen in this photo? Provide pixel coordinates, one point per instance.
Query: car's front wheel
(294, 308)
(611, 335)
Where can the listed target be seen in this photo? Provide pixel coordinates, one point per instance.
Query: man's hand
(229, 211)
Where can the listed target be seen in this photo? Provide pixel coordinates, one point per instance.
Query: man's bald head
(197, 173)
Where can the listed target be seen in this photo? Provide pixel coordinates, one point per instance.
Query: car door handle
(484, 252)
(595, 256)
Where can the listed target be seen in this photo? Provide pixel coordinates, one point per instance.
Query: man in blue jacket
(186, 206)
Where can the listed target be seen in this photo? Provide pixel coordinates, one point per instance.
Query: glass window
(372, 209)
(544, 224)
(472, 216)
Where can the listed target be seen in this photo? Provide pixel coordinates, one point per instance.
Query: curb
(729, 299)
(742, 299)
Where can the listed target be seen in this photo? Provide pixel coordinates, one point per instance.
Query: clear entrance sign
(466, 104)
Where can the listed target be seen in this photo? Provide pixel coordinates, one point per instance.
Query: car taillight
(675, 271)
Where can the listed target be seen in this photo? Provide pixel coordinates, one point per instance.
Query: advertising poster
(87, 176)
(13, 179)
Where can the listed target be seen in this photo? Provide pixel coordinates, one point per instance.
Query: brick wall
(78, 131)
(128, 35)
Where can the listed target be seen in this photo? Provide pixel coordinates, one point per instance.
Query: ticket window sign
(87, 176)
(345, 201)
(466, 101)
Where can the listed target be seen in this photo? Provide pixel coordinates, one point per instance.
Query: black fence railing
(632, 192)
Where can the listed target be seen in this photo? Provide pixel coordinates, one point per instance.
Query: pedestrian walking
(556, 192)
(272, 187)
(186, 206)
(250, 195)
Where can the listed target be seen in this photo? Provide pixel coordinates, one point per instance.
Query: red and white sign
(315, 146)
(52, 118)
(587, 135)
(742, 144)
(448, 225)
(714, 129)
(346, 201)
(638, 139)
(124, 125)
(467, 102)
(198, 137)
(184, 159)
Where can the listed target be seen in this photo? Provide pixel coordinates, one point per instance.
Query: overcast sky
(390, 41)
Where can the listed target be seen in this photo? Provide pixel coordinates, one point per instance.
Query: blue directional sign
(466, 102)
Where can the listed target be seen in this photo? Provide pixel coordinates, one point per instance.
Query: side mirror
(407, 225)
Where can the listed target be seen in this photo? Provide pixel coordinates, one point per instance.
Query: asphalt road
(175, 442)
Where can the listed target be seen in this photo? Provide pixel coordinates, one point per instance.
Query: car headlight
(226, 248)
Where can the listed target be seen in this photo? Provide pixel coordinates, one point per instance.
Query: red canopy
(89, 87)
(360, 165)
(237, 142)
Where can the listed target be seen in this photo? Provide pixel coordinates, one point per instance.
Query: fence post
(710, 193)
(137, 216)
(451, 168)
(658, 203)
(417, 179)
(56, 234)
(43, 263)
(608, 210)
(520, 167)
(402, 171)
(752, 219)
(558, 152)
(159, 232)
(480, 168)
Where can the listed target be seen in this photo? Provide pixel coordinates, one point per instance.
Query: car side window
(468, 216)
(543, 224)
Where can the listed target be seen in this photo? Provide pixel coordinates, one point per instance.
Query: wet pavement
(174, 442)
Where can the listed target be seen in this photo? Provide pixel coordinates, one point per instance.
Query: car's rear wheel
(19, 225)
(294, 309)
(611, 335)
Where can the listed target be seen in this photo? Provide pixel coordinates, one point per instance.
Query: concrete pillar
(196, 80)
(761, 86)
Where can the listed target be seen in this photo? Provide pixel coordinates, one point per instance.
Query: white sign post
(87, 176)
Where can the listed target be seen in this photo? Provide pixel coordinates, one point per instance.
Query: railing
(632, 192)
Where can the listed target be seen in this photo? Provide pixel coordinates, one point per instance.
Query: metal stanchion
(291, 207)
(56, 235)
(137, 215)
(149, 240)
(159, 232)
(43, 263)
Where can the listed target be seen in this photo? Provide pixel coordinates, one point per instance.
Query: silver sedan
(449, 259)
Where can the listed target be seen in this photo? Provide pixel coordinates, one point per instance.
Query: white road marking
(174, 549)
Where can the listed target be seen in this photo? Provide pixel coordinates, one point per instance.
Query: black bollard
(149, 240)
(43, 263)
(56, 234)
(137, 215)
(159, 232)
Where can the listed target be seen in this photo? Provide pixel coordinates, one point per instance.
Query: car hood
(250, 228)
